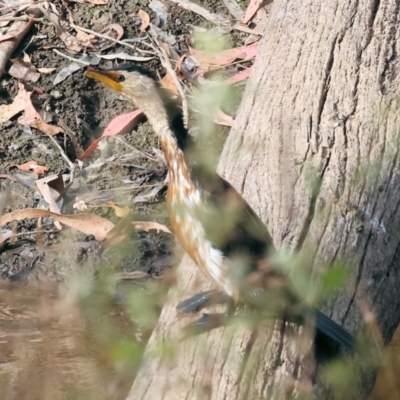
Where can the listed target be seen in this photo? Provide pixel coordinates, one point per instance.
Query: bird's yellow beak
(107, 77)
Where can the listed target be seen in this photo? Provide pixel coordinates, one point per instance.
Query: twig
(70, 58)
(214, 18)
(246, 29)
(24, 18)
(65, 157)
(123, 43)
(167, 65)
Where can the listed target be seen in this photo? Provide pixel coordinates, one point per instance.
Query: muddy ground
(69, 329)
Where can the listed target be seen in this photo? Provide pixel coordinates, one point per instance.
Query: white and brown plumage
(214, 224)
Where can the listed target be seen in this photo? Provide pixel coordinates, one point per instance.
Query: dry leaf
(122, 124)
(240, 76)
(221, 118)
(119, 33)
(33, 166)
(251, 10)
(119, 212)
(32, 118)
(145, 18)
(8, 111)
(46, 70)
(24, 70)
(89, 224)
(13, 35)
(147, 226)
(50, 194)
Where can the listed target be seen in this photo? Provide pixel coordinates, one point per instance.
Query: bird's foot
(202, 300)
(206, 323)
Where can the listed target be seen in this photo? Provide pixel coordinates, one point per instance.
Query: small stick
(108, 37)
(70, 58)
(65, 157)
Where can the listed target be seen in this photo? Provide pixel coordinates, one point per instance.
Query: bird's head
(134, 83)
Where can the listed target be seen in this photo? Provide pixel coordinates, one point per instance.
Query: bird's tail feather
(330, 328)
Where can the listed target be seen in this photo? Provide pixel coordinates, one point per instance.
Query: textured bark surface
(322, 103)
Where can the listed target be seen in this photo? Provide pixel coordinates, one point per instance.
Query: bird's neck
(167, 123)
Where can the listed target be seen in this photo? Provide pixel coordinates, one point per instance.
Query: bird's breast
(184, 204)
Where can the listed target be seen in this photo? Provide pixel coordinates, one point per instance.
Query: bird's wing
(230, 223)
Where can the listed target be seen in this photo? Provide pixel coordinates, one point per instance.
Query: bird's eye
(120, 78)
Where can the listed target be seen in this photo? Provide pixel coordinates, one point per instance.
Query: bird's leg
(202, 300)
(208, 322)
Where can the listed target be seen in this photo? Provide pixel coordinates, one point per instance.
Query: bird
(214, 224)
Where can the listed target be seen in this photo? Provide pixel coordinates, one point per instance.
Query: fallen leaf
(49, 194)
(226, 56)
(7, 111)
(24, 70)
(89, 224)
(33, 166)
(119, 212)
(221, 118)
(124, 56)
(251, 10)
(147, 226)
(145, 18)
(91, 148)
(123, 123)
(240, 76)
(70, 41)
(109, 28)
(32, 118)
(119, 125)
(46, 70)
(3, 38)
(168, 83)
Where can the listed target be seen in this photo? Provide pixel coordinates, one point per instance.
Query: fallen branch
(16, 33)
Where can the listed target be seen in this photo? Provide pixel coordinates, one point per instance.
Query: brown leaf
(119, 33)
(50, 194)
(32, 118)
(119, 125)
(7, 111)
(148, 225)
(123, 123)
(24, 70)
(251, 10)
(33, 166)
(240, 76)
(145, 18)
(46, 70)
(89, 224)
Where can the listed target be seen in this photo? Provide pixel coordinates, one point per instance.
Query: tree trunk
(315, 153)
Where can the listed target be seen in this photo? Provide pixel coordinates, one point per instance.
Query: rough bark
(322, 105)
